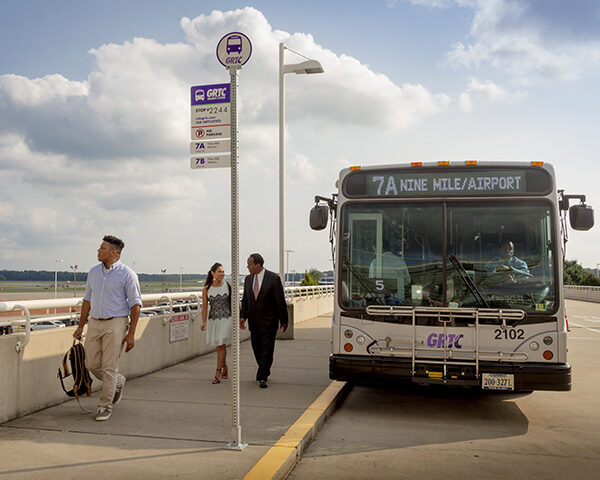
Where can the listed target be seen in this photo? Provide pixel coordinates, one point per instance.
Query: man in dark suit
(263, 305)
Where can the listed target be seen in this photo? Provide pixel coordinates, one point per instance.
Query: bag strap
(60, 375)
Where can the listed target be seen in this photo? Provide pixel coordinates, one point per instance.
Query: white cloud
(111, 153)
(31, 93)
(301, 169)
(482, 92)
(531, 40)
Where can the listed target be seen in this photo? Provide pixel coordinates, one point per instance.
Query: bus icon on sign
(234, 44)
(199, 95)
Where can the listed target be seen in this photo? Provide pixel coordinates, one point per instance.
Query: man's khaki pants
(102, 352)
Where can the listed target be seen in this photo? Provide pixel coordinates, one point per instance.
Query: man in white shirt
(112, 294)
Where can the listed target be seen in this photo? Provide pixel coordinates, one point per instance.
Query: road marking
(583, 326)
(279, 461)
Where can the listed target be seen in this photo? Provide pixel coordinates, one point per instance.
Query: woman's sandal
(217, 379)
(225, 372)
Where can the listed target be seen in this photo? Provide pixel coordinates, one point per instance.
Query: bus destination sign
(483, 182)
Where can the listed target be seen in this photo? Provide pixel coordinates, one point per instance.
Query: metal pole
(236, 428)
(281, 158)
(287, 265)
(56, 262)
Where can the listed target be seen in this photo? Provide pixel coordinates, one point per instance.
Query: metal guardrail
(27, 306)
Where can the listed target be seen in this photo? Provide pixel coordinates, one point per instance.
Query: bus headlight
(548, 355)
(535, 346)
(348, 333)
(360, 340)
(548, 340)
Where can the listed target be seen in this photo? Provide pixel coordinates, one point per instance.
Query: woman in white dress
(216, 316)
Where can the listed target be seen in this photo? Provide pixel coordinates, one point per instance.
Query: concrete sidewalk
(174, 423)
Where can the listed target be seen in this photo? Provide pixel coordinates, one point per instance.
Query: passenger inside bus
(387, 267)
(507, 267)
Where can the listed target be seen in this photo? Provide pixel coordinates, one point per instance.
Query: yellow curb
(281, 457)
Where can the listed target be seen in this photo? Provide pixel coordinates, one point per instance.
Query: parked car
(6, 330)
(47, 324)
(70, 321)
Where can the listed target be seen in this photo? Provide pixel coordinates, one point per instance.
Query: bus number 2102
(509, 334)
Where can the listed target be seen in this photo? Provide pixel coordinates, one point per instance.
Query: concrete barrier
(578, 292)
(28, 378)
(303, 308)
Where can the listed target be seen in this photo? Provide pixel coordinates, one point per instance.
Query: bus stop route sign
(211, 161)
(210, 147)
(234, 50)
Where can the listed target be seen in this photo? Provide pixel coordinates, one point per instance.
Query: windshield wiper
(467, 281)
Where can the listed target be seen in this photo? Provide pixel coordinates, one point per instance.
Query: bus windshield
(446, 254)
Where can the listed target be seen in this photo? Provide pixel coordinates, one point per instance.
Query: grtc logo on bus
(437, 340)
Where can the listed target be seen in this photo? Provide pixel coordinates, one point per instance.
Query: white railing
(172, 300)
(27, 306)
(309, 291)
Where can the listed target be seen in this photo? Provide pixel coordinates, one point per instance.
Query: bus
(450, 274)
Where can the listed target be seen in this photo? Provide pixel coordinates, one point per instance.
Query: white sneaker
(118, 393)
(103, 414)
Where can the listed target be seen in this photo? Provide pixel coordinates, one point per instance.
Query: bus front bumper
(369, 370)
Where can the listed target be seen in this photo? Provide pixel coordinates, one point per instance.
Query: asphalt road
(427, 433)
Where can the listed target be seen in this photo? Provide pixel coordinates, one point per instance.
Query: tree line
(64, 277)
(575, 274)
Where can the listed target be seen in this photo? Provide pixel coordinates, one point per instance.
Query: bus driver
(507, 263)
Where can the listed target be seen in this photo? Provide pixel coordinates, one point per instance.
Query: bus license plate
(497, 381)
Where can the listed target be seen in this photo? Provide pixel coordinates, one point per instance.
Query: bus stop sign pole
(236, 432)
(233, 51)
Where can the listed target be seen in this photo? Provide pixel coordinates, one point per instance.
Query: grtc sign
(234, 49)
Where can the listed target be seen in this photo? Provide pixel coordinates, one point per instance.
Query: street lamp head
(309, 66)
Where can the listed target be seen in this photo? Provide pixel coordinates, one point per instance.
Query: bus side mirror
(319, 215)
(581, 217)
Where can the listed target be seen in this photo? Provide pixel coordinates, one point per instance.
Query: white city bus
(450, 274)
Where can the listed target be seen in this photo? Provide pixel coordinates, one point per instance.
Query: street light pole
(56, 262)
(597, 270)
(287, 265)
(74, 268)
(180, 278)
(309, 66)
(281, 156)
(164, 272)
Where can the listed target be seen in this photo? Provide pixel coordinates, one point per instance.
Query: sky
(95, 116)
